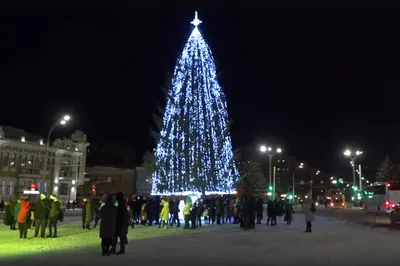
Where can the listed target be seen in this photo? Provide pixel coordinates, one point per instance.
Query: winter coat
(8, 216)
(271, 208)
(24, 212)
(308, 215)
(83, 214)
(88, 212)
(143, 213)
(288, 210)
(55, 209)
(186, 209)
(17, 207)
(122, 220)
(165, 211)
(108, 216)
(42, 209)
(218, 207)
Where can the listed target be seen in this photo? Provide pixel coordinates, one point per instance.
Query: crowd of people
(116, 214)
(24, 214)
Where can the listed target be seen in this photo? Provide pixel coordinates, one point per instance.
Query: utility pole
(273, 188)
(294, 172)
(360, 175)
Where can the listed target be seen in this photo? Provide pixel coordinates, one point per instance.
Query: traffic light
(94, 189)
(341, 180)
(270, 188)
(355, 188)
(290, 196)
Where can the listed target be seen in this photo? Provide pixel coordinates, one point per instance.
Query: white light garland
(194, 154)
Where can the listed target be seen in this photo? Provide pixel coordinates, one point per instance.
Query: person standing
(288, 212)
(308, 209)
(42, 210)
(271, 212)
(164, 216)
(143, 214)
(108, 216)
(23, 217)
(175, 213)
(186, 212)
(16, 209)
(83, 214)
(121, 225)
(97, 213)
(55, 210)
(88, 214)
(259, 209)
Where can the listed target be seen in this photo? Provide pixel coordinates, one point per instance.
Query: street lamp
(353, 156)
(60, 122)
(301, 166)
(270, 152)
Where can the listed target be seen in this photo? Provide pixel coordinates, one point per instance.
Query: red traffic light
(33, 186)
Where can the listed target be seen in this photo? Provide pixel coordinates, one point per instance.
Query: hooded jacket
(42, 208)
(55, 208)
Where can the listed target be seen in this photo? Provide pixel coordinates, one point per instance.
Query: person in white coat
(308, 209)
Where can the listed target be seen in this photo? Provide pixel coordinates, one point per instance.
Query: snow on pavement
(330, 243)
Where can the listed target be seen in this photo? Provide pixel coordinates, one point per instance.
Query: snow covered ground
(330, 243)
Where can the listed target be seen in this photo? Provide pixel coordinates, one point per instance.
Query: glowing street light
(270, 152)
(301, 166)
(353, 156)
(60, 122)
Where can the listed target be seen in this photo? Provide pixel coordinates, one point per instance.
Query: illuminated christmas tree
(194, 152)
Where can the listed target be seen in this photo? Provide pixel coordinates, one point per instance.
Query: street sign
(301, 182)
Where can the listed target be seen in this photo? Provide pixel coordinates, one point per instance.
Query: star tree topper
(196, 22)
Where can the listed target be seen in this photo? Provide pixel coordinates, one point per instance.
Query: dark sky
(315, 79)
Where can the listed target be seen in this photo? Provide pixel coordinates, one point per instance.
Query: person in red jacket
(23, 217)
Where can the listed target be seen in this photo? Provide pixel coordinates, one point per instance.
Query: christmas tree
(194, 151)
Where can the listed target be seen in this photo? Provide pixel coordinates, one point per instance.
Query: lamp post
(270, 152)
(311, 183)
(60, 122)
(301, 166)
(353, 156)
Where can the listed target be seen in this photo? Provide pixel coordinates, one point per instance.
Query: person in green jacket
(88, 214)
(55, 209)
(17, 208)
(42, 211)
(186, 212)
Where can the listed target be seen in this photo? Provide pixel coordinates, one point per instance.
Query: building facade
(102, 180)
(143, 182)
(22, 163)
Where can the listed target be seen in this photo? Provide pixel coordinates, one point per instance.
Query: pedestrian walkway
(331, 243)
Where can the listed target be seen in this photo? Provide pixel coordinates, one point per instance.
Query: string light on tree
(194, 151)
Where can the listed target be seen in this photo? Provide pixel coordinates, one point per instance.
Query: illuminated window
(6, 158)
(12, 162)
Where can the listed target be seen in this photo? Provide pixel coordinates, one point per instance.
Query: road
(357, 216)
(331, 243)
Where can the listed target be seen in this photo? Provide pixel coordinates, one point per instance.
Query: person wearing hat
(55, 210)
(42, 211)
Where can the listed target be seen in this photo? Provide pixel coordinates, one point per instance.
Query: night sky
(313, 80)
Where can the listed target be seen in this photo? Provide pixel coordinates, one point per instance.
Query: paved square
(332, 242)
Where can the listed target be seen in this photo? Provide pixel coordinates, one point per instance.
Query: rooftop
(17, 133)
